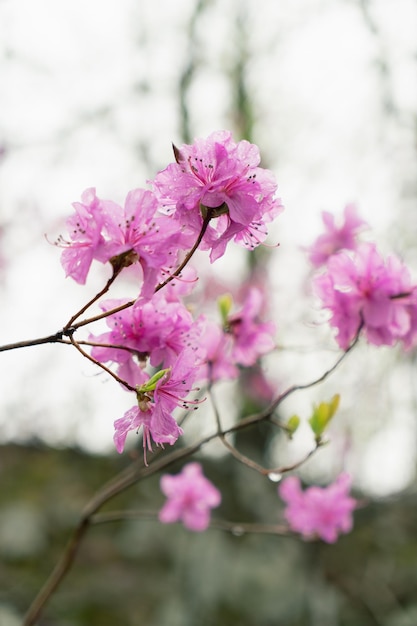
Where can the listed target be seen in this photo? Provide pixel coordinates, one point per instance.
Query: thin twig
(101, 365)
(236, 528)
(83, 309)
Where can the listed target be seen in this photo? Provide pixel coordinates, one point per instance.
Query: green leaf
(322, 414)
(292, 425)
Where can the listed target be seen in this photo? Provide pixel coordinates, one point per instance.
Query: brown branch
(136, 472)
(56, 338)
(101, 365)
(83, 309)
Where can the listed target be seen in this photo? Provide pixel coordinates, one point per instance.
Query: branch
(136, 472)
(70, 328)
(56, 338)
(105, 289)
(236, 528)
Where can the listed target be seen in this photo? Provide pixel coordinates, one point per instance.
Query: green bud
(151, 383)
(322, 414)
(292, 425)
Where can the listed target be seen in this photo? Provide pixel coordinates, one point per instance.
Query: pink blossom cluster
(102, 230)
(322, 512)
(163, 350)
(157, 329)
(213, 193)
(162, 333)
(190, 498)
(214, 179)
(219, 179)
(362, 290)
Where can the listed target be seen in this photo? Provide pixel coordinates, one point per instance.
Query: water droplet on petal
(275, 477)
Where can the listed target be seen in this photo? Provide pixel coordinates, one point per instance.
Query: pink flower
(336, 236)
(219, 177)
(157, 427)
(319, 512)
(361, 288)
(155, 328)
(86, 241)
(157, 399)
(104, 231)
(190, 497)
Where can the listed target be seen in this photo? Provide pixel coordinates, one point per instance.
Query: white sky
(88, 87)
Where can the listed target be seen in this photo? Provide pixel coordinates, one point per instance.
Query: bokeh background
(93, 94)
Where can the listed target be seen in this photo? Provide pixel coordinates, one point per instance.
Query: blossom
(156, 329)
(191, 496)
(342, 236)
(221, 179)
(104, 231)
(322, 512)
(157, 427)
(156, 400)
(86, 240)
(361, 289)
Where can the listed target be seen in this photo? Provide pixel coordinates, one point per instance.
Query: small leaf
(322, 414)
(292, 425)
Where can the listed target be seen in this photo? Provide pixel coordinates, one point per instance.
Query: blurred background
(92, 95)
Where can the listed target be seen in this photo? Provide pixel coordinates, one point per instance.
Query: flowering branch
(215, 192)
(138, 471)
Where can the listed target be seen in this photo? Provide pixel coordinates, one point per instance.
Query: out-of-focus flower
(322, 512)
(190, 498)
(337, 236)
(362, 289)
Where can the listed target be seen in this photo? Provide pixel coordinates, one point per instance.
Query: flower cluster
(158, 329)
(160, 348)
(102, 230)
(219, 180)
(214, 192)
(214, 179)
(361, 289)
(190, 497)
(318, 512)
